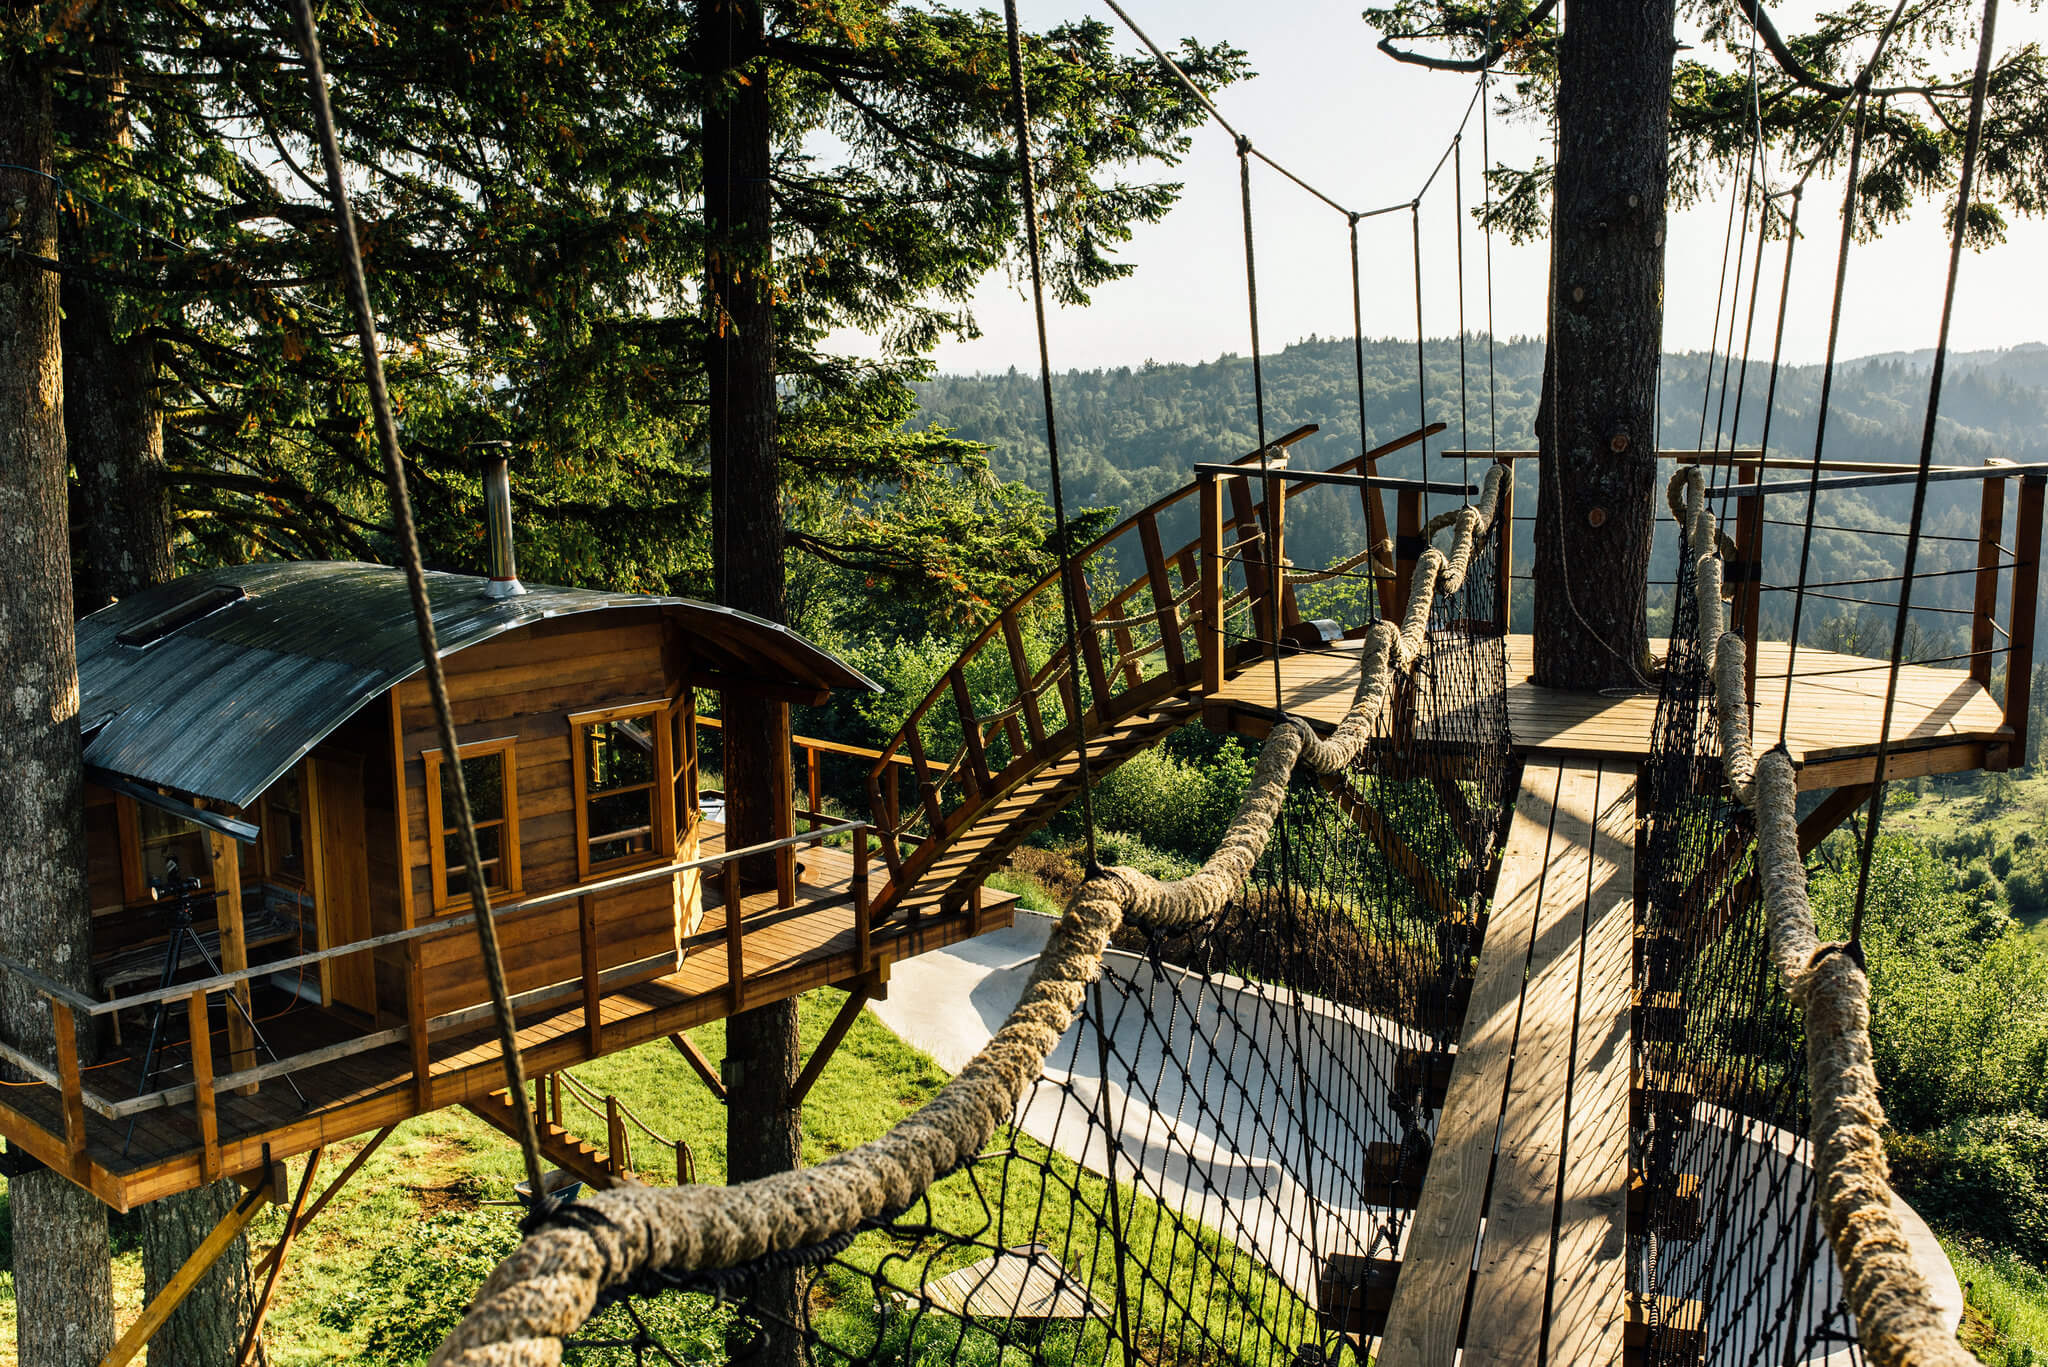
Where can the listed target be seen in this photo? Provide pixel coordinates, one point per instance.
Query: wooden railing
(1140, 631)
(1750, 492)
(65, 1149)
(810, 747)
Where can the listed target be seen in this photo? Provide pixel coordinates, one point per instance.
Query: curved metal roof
(215, 684)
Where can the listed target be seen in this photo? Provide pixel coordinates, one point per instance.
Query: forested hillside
(1131, 434)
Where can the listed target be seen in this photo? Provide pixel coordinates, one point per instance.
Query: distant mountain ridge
(1130, 435)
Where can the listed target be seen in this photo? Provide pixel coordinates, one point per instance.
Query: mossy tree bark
(63, 1286)
(1596, 505)
(763, 1130)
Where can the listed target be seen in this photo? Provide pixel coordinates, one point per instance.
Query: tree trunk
(1596, 505)
(63, 1287)
(115, 429)
(763, 1130)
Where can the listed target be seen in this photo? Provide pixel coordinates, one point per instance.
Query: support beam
(687, 1047)
(849, 1012)
(355, 1165)
(294, 1221)
(1834, 809)
(181, 1283)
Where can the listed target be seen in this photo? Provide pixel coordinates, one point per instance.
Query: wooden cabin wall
(356, 852)
(524, 685)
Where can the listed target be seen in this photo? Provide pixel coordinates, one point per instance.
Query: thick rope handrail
(1897, 1321)
(552, 1283)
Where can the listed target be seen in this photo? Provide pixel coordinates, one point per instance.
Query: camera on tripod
(171, 885)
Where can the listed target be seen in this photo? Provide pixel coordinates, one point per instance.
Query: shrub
(1986, 1176)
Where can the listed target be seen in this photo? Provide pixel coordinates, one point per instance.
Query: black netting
(1220, 1157)
(1724, 1244)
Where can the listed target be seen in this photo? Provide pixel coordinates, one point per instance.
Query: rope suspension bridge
(1497, 1023)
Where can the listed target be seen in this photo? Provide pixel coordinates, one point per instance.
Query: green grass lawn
(391, 1262)
(2006, 1323)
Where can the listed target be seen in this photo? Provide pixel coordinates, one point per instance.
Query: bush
(1174, 804)
(1986, 1176)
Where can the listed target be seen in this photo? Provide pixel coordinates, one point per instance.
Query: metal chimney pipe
(504, 565)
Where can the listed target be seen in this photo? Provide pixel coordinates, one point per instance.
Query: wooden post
(1209, 618)
(1749, 538)
(735, 957)
(417, 1038)
(1374, 503)
(686, 1173)
(817, 808)
(586, 934)
(1285, 613)
(2026, 585)
(203, 1100)
(295, 1219)
(615, 1138)
(863, 930)
(1407, 547)
(70, 1086)
(1161, 585)
(234, 950)
(974, 775)
(1020, 667)
(1984, 613)
(1504, 550)
(1253, 546)
(1090, 641)
(185, 1278)
(849, 1012)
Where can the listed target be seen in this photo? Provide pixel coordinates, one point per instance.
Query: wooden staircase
(1147, 655)
(589, 1163)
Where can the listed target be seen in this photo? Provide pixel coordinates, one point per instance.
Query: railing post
(2026, 585)
(863, 929)
(974, 773)
(1020, 668)
(1749, 538)
(1504, 549)
(1408, 547)
(1984, 612)
(1285, 613)
(418, 1041)
(1090, 643)
(586, 934)
(615, 1138)
(1165, 612)
(1209, 619)
(1252, 553)
(1373, 500)
(71, 1088)
(203, 1099)
(735, 957)
(555, 1099)
(817, 808)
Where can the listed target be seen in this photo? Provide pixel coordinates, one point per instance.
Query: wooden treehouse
(265, 729)
(274, 873)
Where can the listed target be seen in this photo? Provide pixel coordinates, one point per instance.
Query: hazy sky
(1367, 130)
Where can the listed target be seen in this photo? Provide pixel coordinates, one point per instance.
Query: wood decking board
(1943, 720)
(1516, 1254)
(1429, 1298)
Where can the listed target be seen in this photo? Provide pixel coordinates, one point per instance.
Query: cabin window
(682, 748)
(161, 838)
(490, 770)
(625, 797)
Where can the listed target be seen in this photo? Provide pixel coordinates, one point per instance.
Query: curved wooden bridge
(1166, 637)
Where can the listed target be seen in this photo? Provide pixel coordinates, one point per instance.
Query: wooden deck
(1944, 721)
(1517, 1251)
(786, 952)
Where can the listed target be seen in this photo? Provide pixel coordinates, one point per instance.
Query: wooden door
(339, 870)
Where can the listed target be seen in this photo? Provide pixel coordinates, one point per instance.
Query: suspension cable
(1028, 176)
(1827, 385)
(1368, 494)
(1458, 237)
(1276, 509)
(1973, 141)
(422, 609)
(1421, 368)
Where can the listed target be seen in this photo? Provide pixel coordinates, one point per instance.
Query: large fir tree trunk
(1596, 422)
(63, 1288)
(121, 542)
(763, 1130)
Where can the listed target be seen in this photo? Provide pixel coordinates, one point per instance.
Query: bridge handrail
(1114, 616)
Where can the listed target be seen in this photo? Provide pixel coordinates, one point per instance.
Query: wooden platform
(1517, 1251)
(786, 952)
(1944, 722)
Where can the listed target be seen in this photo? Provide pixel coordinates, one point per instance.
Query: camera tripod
(184, 892)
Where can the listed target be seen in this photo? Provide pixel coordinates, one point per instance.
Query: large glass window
(490, 770)
(165, 838)
(625, 801)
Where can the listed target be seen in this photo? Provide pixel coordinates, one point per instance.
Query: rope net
(1756, 1137)
(1199, 1134)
